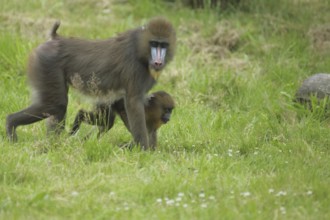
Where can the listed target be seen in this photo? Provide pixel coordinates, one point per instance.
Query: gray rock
(318, 85)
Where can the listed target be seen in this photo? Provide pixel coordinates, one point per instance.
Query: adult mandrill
(158, 110)
(125, 66)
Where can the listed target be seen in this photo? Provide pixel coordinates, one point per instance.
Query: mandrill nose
(165, 119)
(158, 63)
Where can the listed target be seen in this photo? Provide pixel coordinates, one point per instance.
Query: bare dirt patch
(320, 38)
(219, 45)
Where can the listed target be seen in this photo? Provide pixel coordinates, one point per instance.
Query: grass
(236, 147)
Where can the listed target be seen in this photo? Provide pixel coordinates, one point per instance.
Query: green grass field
(236, 147)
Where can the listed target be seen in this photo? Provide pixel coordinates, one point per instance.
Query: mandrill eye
(163, 45)
(154, 44)
(168, 110)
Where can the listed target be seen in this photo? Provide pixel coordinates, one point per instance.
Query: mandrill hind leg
(102, 116)
(32, 114)
(56, 122)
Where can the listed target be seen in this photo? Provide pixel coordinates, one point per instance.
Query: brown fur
(107, 70)
(158, 109)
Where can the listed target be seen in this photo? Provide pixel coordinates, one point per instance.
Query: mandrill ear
(150, 100)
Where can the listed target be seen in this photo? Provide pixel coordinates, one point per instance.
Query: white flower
(246, 194)
(159, 200)
(180, 194)
(74, 193)
(170, 202)
(281, 193)
(271, 190)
